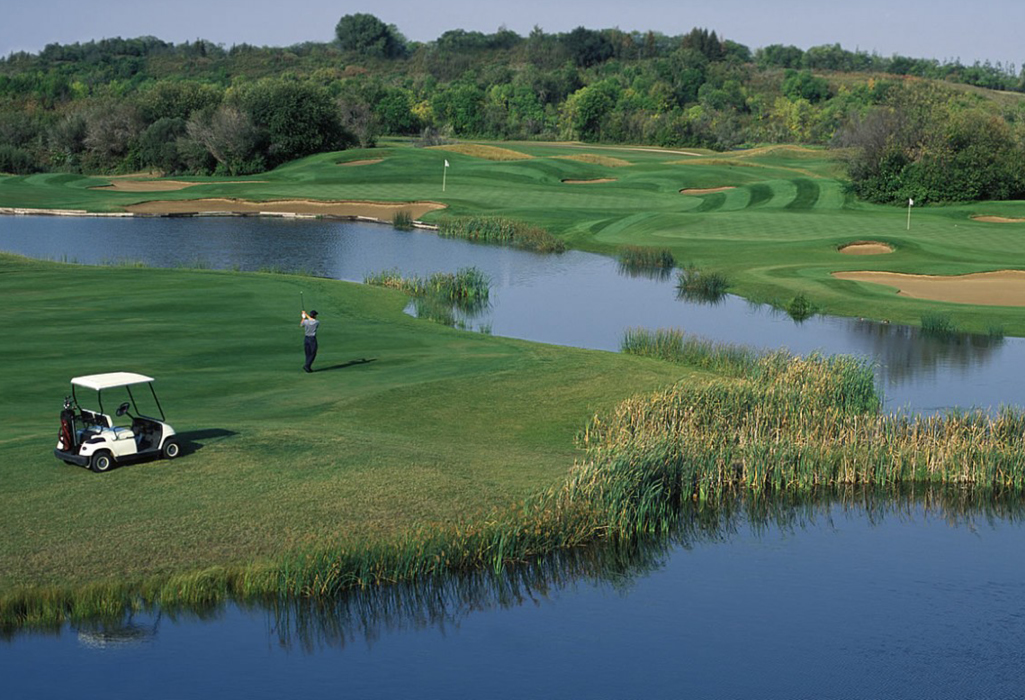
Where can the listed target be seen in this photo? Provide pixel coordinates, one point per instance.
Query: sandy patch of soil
(1003, 288)
(866, 248)
(709, 190)
(160, 185)
(373, 210)
(997, 220)
(362, 162)
(589, 182)
(607, 161)
(486, 152)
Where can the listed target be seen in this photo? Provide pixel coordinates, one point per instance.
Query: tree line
(121, 105)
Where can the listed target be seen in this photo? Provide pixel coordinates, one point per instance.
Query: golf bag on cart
(67, 438)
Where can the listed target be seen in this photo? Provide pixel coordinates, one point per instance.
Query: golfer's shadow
(194, 440)
(350, 363)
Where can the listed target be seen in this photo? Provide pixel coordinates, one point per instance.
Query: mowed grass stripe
(807, 194)
(759, 194)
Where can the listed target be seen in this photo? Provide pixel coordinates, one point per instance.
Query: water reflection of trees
(366, 615)
(906, 352)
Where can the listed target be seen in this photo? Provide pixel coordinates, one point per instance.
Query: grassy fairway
(437, 425)
(774, 234)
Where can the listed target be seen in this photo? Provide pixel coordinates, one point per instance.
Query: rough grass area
(485, 152)
(606, 161)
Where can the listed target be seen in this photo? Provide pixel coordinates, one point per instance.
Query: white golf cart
(90, 438)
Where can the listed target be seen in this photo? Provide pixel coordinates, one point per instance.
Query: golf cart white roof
(110, 380)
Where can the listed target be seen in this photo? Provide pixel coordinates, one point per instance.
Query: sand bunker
(589, 182)
(709, 190)
(486, 152)
(866, 248)
(606, 161)
(997, 220)
(373, 210)
(362, 162)
(1004, 288)
(162, 185)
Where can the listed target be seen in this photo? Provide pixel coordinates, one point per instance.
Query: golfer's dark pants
(310, 345)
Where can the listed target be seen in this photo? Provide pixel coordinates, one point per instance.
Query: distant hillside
(120, 105)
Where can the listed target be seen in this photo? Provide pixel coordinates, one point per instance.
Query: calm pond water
(575, 298)
(902, 598)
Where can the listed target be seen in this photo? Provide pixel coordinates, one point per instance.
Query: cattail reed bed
(467, 289)
(787, 427)
(701, 285)
(655, 262)
(501, 231)
(803, 423)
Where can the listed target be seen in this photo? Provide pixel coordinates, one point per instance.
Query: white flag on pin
(911, 202)
(446, 163)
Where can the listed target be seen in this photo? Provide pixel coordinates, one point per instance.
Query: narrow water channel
(845, 598)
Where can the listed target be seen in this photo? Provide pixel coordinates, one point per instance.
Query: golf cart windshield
(117, 380)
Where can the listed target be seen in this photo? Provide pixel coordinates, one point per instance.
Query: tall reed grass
(402, 221)
(642, 259)
(939, 325)
(501, 231)
(674, 345)
(701, 285)
(467, 288)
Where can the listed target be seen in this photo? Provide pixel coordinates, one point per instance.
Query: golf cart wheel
(171, 449)
(101, 462)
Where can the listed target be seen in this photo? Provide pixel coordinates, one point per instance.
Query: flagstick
(910, 204)
(444, 176)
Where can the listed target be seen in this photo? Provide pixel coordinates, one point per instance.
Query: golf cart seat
(123, 433)
(96, 418)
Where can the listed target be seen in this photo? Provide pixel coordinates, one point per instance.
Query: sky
(942, 29)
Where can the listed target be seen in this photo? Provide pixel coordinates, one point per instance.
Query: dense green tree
(931, 145)
(16, 161)
(705, 43)
(112, 128)
(370, 36)
(231, 137)
(461, 107)
(779, 56)
(587, 108)
(295, 118)
(587, 47)
(804, 85)
(158, 145)
(177, 99)
(395, 111)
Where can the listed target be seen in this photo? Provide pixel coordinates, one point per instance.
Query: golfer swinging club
(309, 325)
